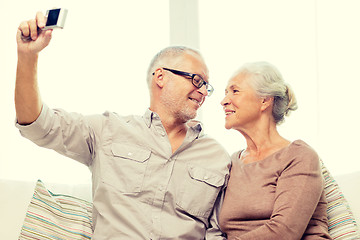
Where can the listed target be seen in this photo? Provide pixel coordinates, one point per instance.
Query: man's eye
(197, 81)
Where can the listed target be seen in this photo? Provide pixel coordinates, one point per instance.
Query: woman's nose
(225, 101)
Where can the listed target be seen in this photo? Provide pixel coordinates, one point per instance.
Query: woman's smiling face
(241, 104)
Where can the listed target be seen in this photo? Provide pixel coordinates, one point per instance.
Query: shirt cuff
(39, 127)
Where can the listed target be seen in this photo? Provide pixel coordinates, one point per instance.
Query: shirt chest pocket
(125, 170)
(199, 191)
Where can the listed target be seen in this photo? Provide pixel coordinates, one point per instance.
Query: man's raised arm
(28, 102)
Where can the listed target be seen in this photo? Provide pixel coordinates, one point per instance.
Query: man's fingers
(40, 19)
(48, 36)
(24, 28)
(33, 29)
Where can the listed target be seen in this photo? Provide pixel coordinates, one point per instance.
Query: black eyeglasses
(197, 80)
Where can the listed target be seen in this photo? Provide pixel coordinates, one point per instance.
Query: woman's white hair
(267, 81)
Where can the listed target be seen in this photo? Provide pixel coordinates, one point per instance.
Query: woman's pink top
(280, 197)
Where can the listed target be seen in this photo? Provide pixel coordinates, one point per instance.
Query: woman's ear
(267, 103)
(159, 77)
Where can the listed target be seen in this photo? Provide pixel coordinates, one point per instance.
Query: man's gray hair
(164, 56)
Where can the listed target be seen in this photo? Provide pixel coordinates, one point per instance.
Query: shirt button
(130, 154)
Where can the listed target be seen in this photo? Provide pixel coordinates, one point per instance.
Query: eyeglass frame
(208, 87)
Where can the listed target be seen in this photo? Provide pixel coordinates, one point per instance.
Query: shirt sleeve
(213, 232)
(299, 188)
(69, 134)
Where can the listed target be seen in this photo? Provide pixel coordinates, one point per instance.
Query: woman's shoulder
(300, 146)
(300, 151)
(296, 151)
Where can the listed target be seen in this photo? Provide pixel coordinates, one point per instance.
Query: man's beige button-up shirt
(141, 190)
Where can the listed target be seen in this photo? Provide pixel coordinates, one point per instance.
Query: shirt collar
(194, 125)
(148, 117)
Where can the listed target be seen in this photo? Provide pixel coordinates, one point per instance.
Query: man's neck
(176, 129)
(176, 133)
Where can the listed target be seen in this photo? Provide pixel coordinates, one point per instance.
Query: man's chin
(188, 116)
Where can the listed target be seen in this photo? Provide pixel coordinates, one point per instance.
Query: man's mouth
(197, 101)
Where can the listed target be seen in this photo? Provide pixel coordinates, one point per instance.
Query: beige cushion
(342, 224)
(56, 216)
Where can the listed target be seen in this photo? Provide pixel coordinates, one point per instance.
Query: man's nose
(203, 90)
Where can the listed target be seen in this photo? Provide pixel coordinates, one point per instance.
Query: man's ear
(159, 77)
(267, 103)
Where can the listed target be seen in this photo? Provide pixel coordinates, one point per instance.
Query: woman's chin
(228, 126)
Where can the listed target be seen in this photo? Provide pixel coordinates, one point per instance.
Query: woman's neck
(261, 143)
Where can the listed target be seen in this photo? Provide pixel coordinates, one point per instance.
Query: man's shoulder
(116, 116)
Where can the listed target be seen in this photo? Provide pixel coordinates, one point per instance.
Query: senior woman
(275, 190)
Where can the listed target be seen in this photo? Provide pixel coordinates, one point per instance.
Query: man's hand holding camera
(34, 35)
(30, 36)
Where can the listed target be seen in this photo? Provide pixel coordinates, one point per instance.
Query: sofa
(16, 196)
